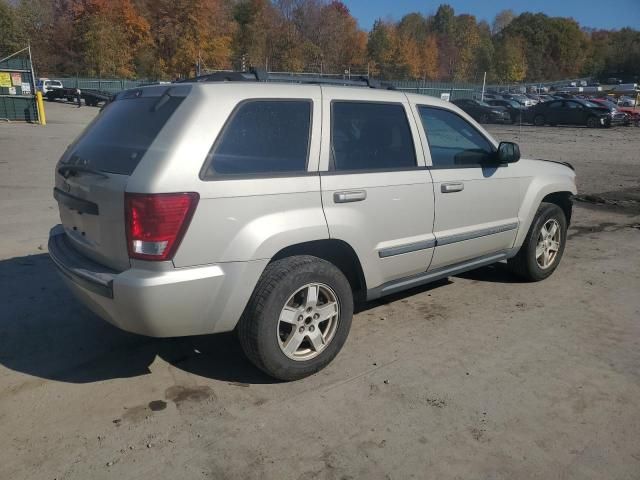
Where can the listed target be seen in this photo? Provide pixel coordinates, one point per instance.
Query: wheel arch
(564, 199)
(558, 190)
(337, 252)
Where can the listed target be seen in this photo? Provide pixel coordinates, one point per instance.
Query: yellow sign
(5, 79)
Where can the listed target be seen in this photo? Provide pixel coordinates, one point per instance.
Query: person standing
(79, 97)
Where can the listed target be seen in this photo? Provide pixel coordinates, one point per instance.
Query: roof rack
(261, 75)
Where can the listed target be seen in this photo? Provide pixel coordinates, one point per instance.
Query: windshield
(607, 103)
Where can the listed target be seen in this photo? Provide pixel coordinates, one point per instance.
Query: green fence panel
(111, 85)
(20, 108)
(436, 89)
(17, 101)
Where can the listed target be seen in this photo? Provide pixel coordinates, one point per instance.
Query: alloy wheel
(308, 321)
(548, 244)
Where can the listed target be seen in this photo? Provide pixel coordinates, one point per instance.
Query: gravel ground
(476, 377)
(607, 160)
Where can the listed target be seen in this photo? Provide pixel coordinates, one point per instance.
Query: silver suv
(268, 208)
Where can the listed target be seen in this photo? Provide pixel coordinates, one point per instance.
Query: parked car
(490, 96)
(633, 112)
(269, 208)
(570, 112)
(605, 102)
(534, 97)
(483, 112)
(514, 108)
(48, 87)
(522, 99)
(625, 101)
(618, 117)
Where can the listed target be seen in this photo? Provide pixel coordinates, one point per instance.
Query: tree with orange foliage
(429, 54)
(108, 34)
(185, 32)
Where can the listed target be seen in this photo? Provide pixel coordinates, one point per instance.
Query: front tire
(538, 121)
(543, 246)
(298, 317)
(592, 122)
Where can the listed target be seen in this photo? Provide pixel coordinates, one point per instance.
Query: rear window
(121, 134)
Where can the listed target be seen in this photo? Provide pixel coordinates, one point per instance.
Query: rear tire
(538, 121)
(283, 330)
(543, 246)
(484, 118)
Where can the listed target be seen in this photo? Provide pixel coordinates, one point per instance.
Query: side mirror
(508, 152)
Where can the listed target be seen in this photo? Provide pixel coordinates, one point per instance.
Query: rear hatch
(92, 175)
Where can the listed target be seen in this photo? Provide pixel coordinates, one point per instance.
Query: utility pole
(484, 81)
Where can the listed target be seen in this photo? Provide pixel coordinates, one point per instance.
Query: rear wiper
(71, 170)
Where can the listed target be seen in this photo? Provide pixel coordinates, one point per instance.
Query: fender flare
(537, 191)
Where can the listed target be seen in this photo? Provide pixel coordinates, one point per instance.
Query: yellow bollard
(40, 104)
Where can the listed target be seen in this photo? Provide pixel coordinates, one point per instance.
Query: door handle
(350, 196)
(451, 187)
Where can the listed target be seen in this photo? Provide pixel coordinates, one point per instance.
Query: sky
(589, 13)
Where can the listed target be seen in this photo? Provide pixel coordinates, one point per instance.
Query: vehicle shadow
(46, 333)
(496, 273)
(362, 306)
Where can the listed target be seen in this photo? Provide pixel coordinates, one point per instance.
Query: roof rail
(261, 75)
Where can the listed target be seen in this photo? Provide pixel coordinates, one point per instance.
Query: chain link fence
(110, 85)
(452, 90)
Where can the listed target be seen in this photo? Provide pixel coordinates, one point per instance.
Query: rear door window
(263, 137)
(370, 136)
(121, 134)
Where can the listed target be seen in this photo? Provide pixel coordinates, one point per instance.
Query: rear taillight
(156, 223)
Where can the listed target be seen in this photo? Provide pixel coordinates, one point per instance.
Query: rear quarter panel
(239, 219)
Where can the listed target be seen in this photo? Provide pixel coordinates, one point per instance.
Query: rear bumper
(159, 303)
